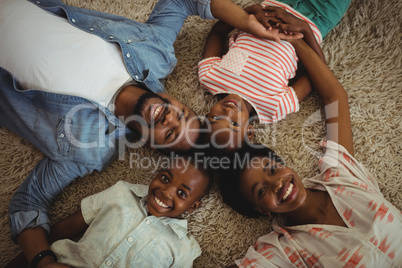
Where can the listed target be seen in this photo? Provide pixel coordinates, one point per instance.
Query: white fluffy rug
(364, 52)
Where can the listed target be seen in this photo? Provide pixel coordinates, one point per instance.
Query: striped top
(258, 70)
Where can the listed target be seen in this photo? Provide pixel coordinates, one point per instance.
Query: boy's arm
(332, 93)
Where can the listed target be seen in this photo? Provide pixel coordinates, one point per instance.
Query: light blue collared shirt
(121, 234)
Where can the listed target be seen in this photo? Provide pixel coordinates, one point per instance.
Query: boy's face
(272, 187)
(229, 122)
(176, 190)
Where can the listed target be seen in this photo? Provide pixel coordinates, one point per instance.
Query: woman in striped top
(253, 77)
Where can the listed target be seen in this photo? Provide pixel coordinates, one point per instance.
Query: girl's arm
(291, 25)
(332, 93)
(217, 40)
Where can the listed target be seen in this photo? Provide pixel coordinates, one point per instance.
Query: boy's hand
(285, 21)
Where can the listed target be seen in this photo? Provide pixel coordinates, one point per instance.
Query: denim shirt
(147, 48)
(76, 135)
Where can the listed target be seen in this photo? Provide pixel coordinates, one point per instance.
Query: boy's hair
(229, 179)
(201, 165)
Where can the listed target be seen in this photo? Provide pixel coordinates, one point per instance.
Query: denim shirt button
(73, 20)
(128, 55)
(111, 37)
(148, 222)
(62, 135)
(129, 41)
(91, 29)
(130, 239)
(136, 77)
(38, 2)
(108, 263)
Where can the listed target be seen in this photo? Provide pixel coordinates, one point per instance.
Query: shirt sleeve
(91, 205)
(268, 252)
(29, 207)
(205, 66)
(192, 252)
(287, 104)
(338, 165)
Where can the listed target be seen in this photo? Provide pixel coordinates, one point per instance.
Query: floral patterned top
(373, 237)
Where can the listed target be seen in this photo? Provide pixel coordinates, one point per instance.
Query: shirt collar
(179, 226)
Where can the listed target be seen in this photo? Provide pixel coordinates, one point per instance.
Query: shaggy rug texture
(364, 52)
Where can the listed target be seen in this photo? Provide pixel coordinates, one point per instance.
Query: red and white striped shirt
(258, 70)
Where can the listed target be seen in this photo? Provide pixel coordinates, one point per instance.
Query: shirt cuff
(28, 219)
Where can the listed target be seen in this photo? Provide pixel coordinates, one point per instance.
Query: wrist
(43, 258)
(45, 261)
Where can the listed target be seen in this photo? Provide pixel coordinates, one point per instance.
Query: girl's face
(229, 121)
(272, 187)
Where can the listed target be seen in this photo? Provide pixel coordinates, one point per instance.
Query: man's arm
(30, 204)
(332, 93)
(68, 228)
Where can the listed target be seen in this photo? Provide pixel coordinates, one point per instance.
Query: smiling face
(229, 123)
(167, 123)
(176, 190)
(272, 187)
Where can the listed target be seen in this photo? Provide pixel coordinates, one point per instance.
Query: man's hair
(229, 179)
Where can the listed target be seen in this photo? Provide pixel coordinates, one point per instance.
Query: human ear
(262, 211)
(250, 132)
(194, 206)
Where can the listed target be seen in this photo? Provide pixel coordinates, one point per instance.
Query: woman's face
(272, 187)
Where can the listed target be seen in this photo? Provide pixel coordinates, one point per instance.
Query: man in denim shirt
(77, 135)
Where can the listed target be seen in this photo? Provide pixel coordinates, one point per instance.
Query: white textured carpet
(364, 52)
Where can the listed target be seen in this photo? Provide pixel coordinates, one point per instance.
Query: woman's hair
(229, 179)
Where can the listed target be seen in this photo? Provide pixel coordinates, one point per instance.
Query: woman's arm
(332, 93)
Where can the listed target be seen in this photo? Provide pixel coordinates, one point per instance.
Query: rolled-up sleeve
(30, 204)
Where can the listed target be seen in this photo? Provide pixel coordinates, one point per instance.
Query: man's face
(168, 124)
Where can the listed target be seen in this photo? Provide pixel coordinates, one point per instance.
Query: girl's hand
(263, 26)
(285, 21)
(257, 29)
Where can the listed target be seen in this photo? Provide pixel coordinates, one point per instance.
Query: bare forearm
(68, 228)
(331, 92)
(230, 13)
(216, 40)
(32, 241)
(312, 42)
